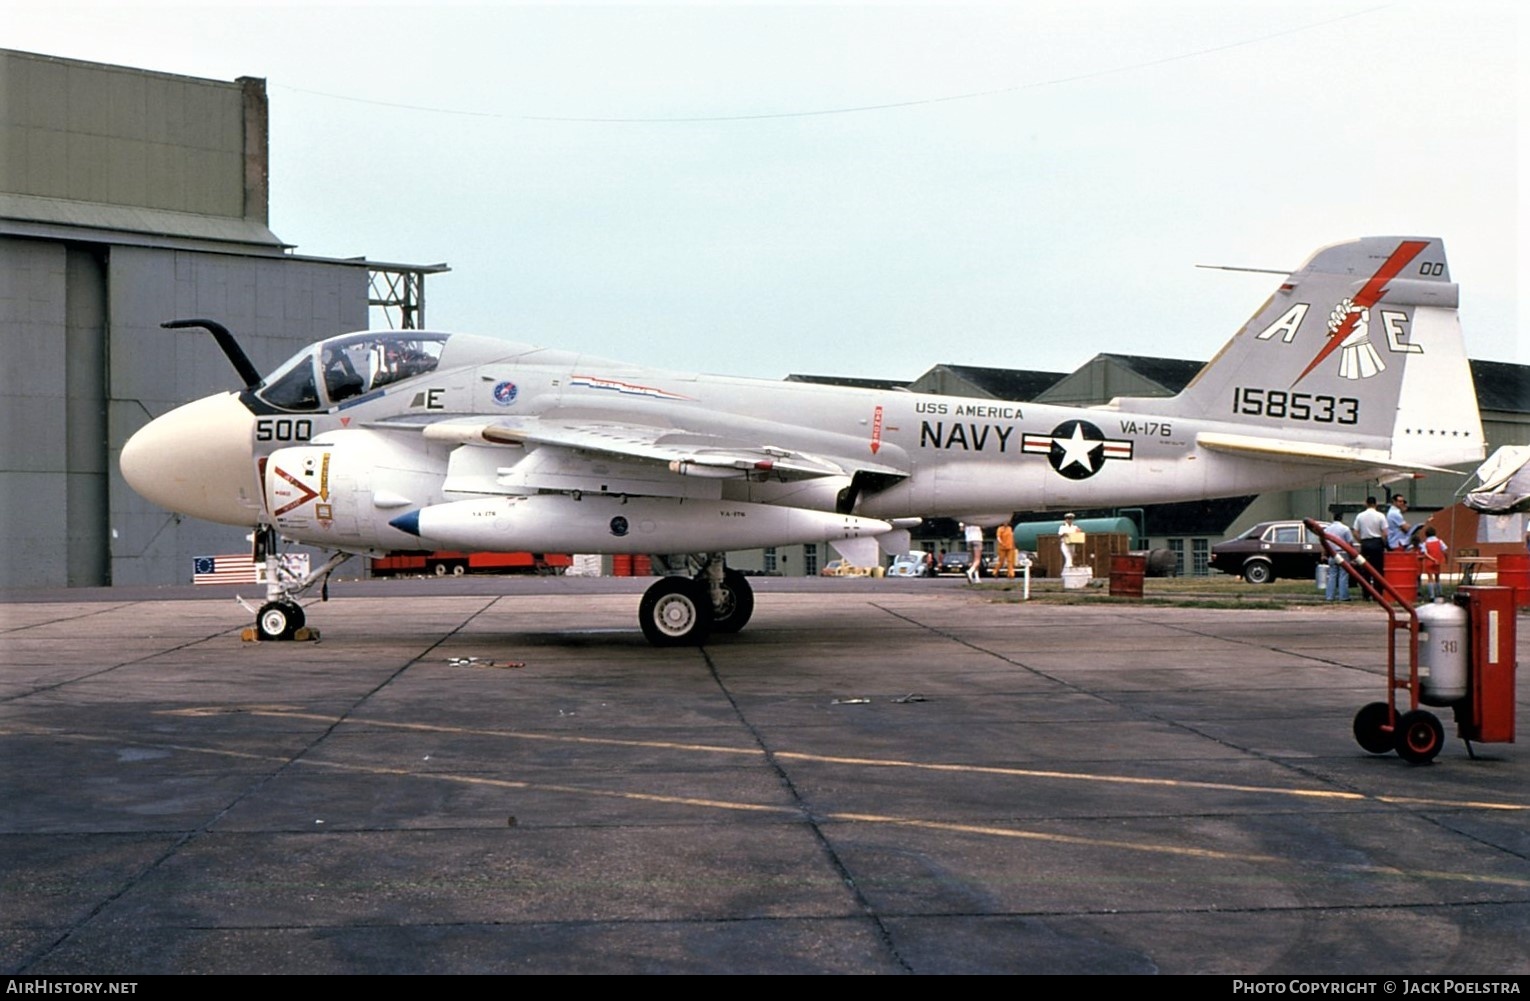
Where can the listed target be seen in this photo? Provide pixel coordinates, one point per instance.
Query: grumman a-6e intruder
(408, 440)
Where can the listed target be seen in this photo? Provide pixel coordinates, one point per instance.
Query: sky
(865, 189)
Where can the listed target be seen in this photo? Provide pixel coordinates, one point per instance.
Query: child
(1434, 550)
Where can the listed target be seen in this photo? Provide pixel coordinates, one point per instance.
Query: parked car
(1269, 550)
(909, 564)
(958, 560)
(843, 568)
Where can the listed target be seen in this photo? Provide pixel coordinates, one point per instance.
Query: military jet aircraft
(374, 442)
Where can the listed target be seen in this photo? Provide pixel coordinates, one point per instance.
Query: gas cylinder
(1442, 653)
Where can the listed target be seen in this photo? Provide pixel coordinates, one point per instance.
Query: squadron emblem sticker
(505, 393)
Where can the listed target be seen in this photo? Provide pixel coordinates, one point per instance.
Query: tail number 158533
(1285, 405)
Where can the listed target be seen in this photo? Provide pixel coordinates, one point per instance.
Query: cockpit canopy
(349, 366)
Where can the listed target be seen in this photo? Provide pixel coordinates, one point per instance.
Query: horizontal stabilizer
(1277, 449)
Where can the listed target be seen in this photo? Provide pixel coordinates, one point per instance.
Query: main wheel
(1368, 728)
(676, 611)
(279, 620)
(737, 604)
(1419, 737)
(1258, 572)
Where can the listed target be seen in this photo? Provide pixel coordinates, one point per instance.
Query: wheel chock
(305, 634)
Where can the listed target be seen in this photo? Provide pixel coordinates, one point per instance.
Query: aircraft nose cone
(198, 459)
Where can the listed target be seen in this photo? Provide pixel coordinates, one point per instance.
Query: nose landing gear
(281, 617)
(279, 620)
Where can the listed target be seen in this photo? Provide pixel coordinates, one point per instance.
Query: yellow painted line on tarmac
(1033, 773)
(795, 812)
(1337, 795)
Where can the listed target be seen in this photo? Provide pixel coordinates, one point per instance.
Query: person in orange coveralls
(1006, 559)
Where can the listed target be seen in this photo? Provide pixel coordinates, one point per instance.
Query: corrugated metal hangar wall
(128, 198)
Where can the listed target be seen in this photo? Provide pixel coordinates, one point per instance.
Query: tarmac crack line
(799, 811)
(1259, 646)
(1283, 764)
(1060, 682)
(816, 821)
(260, 783)
(87, 676)
(1003, 771)
(802, 809)
(65, 618)
(1437, 822)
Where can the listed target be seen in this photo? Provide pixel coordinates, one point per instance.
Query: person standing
(1064, 534)
(1371, 530)
(1338, 577)
(974, 535)
(1434, 549)
(1005, 540)
(1397, 525)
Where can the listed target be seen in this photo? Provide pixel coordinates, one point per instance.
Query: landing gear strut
(281, 617)
(684, 611)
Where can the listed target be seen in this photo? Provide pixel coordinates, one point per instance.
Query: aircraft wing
(681, 452)
(1318, 453)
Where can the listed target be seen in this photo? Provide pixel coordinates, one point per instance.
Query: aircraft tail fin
(1361, 346)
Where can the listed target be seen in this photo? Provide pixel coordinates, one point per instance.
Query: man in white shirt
(1371, 530)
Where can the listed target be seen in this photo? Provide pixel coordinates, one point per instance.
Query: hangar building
(128, 198)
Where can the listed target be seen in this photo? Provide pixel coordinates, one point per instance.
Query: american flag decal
(237, 568)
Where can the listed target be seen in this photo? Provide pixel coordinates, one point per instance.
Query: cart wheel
(1369, 734)
(1419, 737)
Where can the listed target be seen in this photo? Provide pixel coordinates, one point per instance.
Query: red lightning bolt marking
(1367, 297)
(308, 493)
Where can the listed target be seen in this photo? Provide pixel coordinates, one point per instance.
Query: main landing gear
(281, 617)
(684, 611)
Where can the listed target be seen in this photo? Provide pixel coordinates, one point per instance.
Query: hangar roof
(1173, 374)
(67, 219)
(1502, 386)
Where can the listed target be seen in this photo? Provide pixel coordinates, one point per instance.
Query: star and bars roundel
(1076, 449)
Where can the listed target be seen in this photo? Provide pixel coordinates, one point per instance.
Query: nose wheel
(279, 620)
